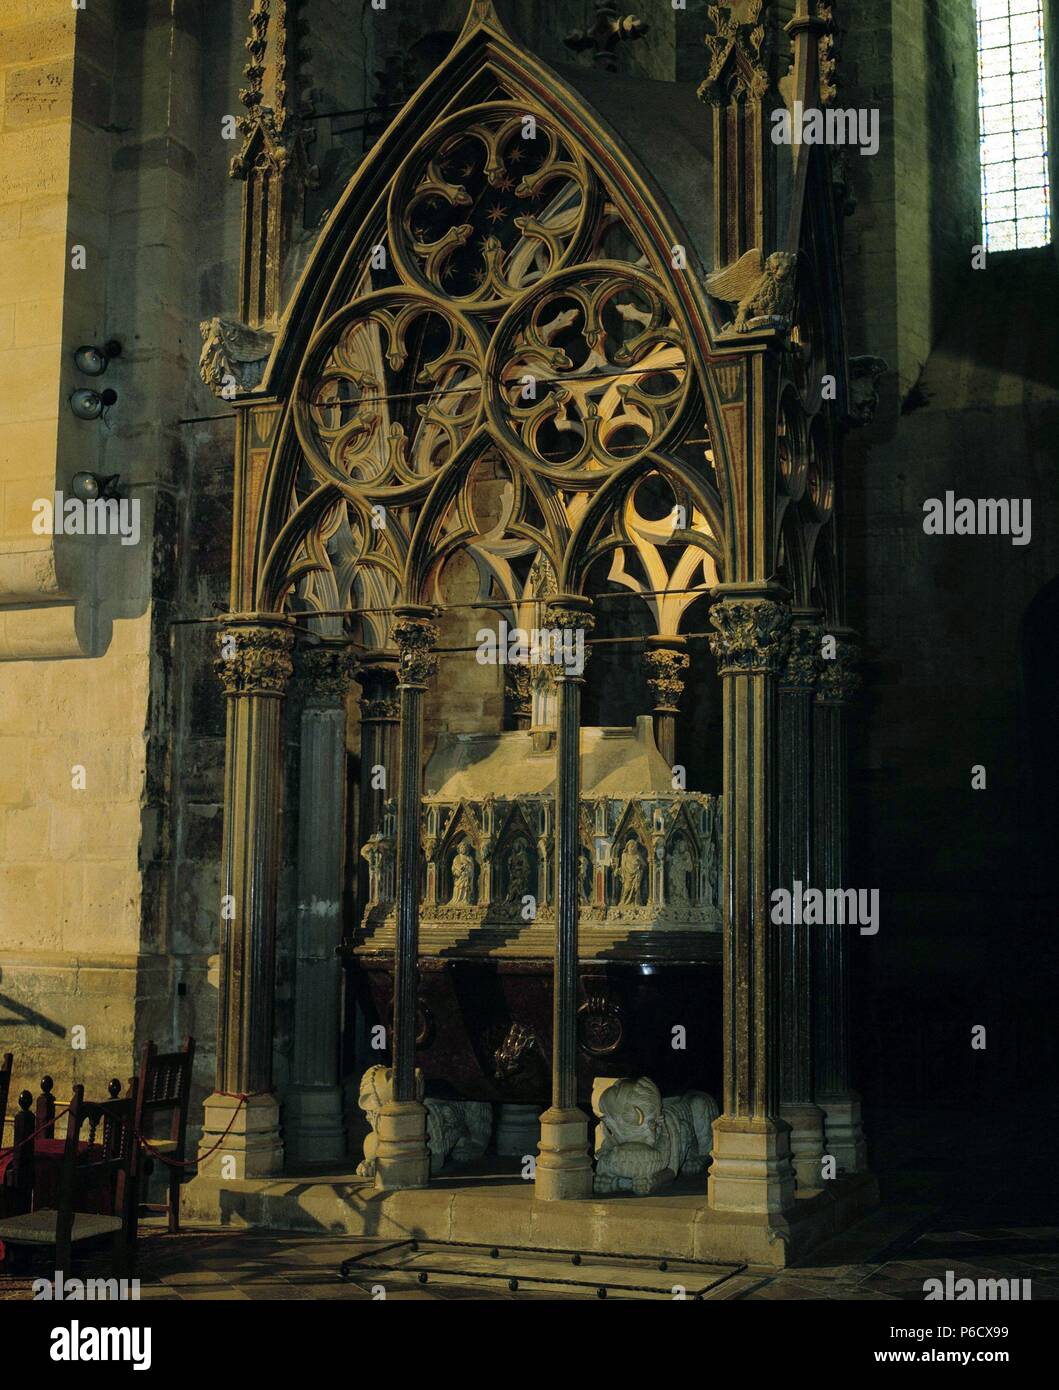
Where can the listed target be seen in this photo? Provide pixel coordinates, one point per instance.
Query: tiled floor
(984, 1216)
(220, 1265)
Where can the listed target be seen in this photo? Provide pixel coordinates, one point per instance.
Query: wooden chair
(107, 1164)
(6, 1067)
(46, 1109)
(164, 1087)
(16, 1185)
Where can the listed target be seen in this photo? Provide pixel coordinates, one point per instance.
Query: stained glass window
(1013, 132)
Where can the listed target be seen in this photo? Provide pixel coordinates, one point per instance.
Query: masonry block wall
(943, 617)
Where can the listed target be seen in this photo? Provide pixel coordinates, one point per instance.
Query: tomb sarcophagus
(650, 921)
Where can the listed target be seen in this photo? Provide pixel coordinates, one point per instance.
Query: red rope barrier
(145, 1143)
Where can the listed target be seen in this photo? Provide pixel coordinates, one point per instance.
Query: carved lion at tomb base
(643, 1141)
(457, 1129)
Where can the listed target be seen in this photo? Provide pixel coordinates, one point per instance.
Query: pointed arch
(398, 359)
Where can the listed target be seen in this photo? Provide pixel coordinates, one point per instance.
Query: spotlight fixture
(93, 360)
(90, 405)
(88, 486)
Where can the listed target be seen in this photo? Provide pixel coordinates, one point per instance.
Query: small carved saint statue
(518, 873)
(680, 867)
(586, 876)
(631, 872)
(463, 873)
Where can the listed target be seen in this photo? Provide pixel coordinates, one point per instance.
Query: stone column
(844, 1134)
(666, 662)
(402, 1159)
(751, 1169)
(255, 667)
(314, 1130)
(797, 688)
(564, 1168)
(379, 714)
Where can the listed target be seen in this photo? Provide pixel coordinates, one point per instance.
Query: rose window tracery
(496, 200)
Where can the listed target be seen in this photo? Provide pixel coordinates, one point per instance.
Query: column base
(751, 1169)
(518, 1129)
(564, 1169)
(401, 1156)
(807, 1144)
(844, 1133)
(251, 1148)
(314, 1127)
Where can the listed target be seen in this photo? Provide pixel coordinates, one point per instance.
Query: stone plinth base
(314, 1127)
(251, 1148)
(751, 1169)
(401, 1158)
(844, 1133)
(518, 1129)
(501, 1210)
(807, 1145)
(564, 1169)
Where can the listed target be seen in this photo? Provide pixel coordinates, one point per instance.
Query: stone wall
(918, 214)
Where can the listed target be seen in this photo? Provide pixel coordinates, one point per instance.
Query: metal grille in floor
(537, 1270)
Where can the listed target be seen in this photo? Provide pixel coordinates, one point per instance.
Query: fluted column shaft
(564, 1169)
(402, 1159)
(314, 1127)
(751, 1160)
(831, 1038)
(254, 665)
(797, 689)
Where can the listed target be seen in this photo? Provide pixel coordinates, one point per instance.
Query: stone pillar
(751, 1170)
(314, 1130)
(564, 1168)
(797, 688)
(666, 662)
(402, 1159)
(255, 667)
(843, 1131)
(379, 713)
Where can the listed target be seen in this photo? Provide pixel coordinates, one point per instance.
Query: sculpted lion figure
(644, 1141)
(460, 1129)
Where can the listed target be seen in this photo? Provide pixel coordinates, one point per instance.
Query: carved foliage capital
(254, 660)
(327, 673)
(665, 675)
(751, 636)
(738, 52)
(839, 679)
(803, 661)
(380, 708)
(415, 637)
(570, 616)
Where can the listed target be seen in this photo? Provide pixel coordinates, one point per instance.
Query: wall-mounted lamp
(88, 486)
(90, 405)
(93, 360)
